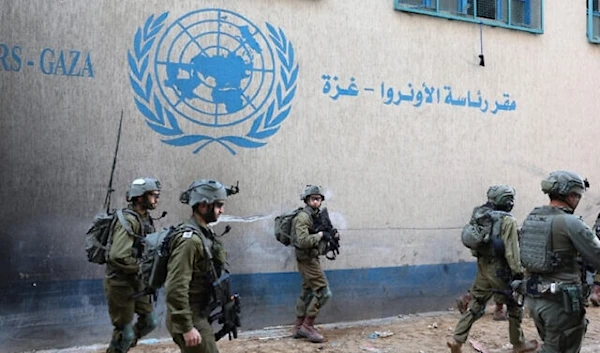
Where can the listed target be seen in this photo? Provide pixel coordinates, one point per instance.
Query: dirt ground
(419, 333)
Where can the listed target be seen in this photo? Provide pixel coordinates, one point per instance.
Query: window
(593, 21)
(523, 15)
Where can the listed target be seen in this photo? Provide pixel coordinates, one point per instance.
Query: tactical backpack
(482, 229)
(98, 237)
(283, 226)
(155, 256)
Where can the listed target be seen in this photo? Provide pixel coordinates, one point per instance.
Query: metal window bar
(462, 7)
(593, 21)
(527, 12)
(513, 14)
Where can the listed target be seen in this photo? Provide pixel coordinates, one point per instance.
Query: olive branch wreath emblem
(163, 121)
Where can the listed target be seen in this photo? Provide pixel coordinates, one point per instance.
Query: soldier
(188, 285)
(497, 260)
(594, 297)
(122, 278)
(552, 240)
(309, 245)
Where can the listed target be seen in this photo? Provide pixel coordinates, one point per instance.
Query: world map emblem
(212, 76)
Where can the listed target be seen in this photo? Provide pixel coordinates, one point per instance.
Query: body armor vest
(537, 253)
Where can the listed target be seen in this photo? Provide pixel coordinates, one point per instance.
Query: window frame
(432, 8)
(590, 22)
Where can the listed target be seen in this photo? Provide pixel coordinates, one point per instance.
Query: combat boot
(499, 313)
(455, 346)
(296, 328)
(113, 348)
(462, 303)
(528, 346)
(309, 331)
(595, 296)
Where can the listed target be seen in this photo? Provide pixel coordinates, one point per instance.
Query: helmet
(312, 190)
(141, 186)
(563, 182)
(501, 195)
(203, 190)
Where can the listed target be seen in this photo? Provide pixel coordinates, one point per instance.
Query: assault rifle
(587, 276)
(514, 292)
(221, 298)
(333, 243)
(229, 315)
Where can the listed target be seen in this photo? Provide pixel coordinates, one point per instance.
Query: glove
(326, 236)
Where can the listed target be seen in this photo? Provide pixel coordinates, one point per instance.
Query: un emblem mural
(212, 76)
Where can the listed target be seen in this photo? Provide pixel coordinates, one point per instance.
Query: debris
(378, 334)
(276, 337)
(478, 346)
(434, 325)
(370, 349)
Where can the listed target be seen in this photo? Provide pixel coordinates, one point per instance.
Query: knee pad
(123, 339)
(477, 309)
(324, 294)
(147, 323)
(307, 296)
(477, 314)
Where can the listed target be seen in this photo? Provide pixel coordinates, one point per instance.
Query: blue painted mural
(417, 97)
(215, 69)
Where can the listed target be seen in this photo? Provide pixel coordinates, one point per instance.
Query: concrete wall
(351, 94)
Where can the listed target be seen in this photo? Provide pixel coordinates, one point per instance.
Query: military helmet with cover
(312, 190)
(501, 195)
(562, 182)
(204, 190)
(140, 186)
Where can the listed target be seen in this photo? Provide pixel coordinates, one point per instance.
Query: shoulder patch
(188, 234)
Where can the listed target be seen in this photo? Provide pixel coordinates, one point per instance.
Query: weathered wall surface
(390, 112)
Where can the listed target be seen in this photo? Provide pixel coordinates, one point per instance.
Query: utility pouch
(571, 295)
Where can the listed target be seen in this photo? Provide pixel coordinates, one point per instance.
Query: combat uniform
(498, 262)
(558, 313)
(122, 281)
(188, 285)
(595, 275)
(315, 288)
(487, 280)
